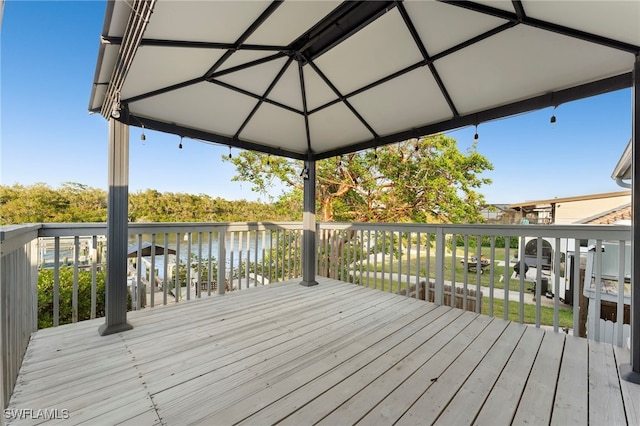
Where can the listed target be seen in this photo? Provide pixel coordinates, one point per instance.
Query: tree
(420, 180)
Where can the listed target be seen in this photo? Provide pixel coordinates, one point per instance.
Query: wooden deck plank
(277, 332)
(106, 352)
(437, 397)
(336, 353)
(605, 397)
(337, 384)
(268, 359)
(572, 403)
(259, 328)
(149, 417)
(351, 401)
(537, 399)
(229, 405)
(118, 407)
(502, 402)
(396, 403)
(630, 391)
(479, 384)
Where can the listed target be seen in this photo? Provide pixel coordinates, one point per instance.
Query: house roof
(623, 168)
(620, 213)
(315, 79)
(570, 199)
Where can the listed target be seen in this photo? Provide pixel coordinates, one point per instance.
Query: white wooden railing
(18, 301)
(391, 257)
(253, 253)
(399, 257)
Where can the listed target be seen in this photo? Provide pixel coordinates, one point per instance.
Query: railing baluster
(507, 277)
(199, 272)
(438, 288)
(188, 265)
(240, 259)
(271, 276)
(556, 286)
(620, 304)
(283, 254)
(522, 274)
(94, 275)
(264, 239)
(598, 268)
(135, 288)
(56, 282)
(454, 252)
(400, 250)
(538, 291)
(222, 256)
(478, 301)
(361, 236)
(152, 273)
(210, 262)
(290, 273)
(176, 289)
(384, 260)
(347, 245)
(375, 260)
(255, 260)
(465, 272)
(74, 294)
(247, 267)
(576, 288)
(418, 243)
(277, 277)
(492, 276)
(389, 237)
(165, 272)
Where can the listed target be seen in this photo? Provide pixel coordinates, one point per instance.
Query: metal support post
(117, 230)
(309, 225)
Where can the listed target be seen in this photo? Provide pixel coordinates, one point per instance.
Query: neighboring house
(619, 215)
(496, 214)
(611, 328)
(570, 209)
(622, 171)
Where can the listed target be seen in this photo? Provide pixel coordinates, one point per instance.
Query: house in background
(578, 209)
(615, 298)
(497, 214)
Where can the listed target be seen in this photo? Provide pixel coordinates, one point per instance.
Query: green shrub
(45, 296)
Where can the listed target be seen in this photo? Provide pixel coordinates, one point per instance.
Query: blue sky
(48, 56)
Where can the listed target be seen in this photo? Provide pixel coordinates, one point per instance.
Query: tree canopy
(75, 202)
(423, 180)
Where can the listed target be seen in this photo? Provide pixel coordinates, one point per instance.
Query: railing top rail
(149, 228)
(72, 229)
(610, 232)
(83, 229)
(15, 236)
(8, 232)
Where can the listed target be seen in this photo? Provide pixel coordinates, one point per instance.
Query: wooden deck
(331, 354)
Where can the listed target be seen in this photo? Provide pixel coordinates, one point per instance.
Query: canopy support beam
(117, 230)
(309, 225)
(631, 371)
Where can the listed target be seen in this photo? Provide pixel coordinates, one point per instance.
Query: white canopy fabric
(313, 79)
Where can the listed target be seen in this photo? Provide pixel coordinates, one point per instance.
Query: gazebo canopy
(313, 79)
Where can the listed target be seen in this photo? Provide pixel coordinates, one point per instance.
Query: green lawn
(412, 264)
(546, 313)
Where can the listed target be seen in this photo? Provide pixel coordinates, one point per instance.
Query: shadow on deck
(335, 354)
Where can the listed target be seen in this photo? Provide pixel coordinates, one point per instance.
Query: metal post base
(309, 283)
(628, 374)
(105, 329)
